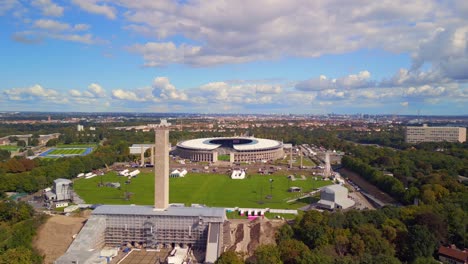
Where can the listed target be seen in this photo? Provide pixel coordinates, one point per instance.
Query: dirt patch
(254, 237)
(247, 235)
(55, 236)
(268, 232)
(238, 232)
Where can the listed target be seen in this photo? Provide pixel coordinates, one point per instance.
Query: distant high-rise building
(80, 128)
(435, 134)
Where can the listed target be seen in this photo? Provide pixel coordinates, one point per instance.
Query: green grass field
(76, 146)
(210, 189)
(224, 157)
(67, 151)
(9, 148)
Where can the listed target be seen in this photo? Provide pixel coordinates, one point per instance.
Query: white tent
(134, 173)
(124, 172)
(238, 174)
(176, 173)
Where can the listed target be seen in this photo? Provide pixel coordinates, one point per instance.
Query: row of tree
(388, 184)
(24, 175)
(391, 235)
(18, 225)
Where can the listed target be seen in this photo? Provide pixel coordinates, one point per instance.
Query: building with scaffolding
(161, 225)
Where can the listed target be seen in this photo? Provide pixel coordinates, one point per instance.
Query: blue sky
(308, 57)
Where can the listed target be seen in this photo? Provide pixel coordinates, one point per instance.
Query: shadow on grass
(307, 200)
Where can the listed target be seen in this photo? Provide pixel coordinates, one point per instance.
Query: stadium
(232, 149)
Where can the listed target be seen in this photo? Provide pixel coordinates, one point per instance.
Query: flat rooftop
(149, 210)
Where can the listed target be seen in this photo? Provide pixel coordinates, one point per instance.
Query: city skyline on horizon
(267, 57)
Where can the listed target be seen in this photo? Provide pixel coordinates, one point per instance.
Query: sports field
(9, 148)
(66, 152)
(209, 189)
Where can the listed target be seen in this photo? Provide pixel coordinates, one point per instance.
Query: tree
(30, 153)
(435, 223)
(4, 154)
(284, 232)
(21, 143)
(52, 142)
(429, 260)
(229, 257)
(294, 251)
(375, 244)
(19, 255)
(341, 239)
(312, 230)
(357, 246)
(419, 242)
(13, 165)
(267, 254)
(34, 142)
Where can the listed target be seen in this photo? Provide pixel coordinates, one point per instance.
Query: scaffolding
(145, 226)
(157, 230)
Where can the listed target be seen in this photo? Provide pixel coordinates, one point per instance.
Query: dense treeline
(418, 173)
(18, 225)
(389, 136)
(389, 235)
(426, 173)
(388, 184)
(42, 173)
(35, 129)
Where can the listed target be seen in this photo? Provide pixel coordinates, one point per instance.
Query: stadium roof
(255, 144)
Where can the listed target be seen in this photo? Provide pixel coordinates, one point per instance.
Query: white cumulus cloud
(158, 54)
(30, 93)
(49, 24)
(92, 6)
(162, 88)
(48, 8)
(96, 90)
(125, 95)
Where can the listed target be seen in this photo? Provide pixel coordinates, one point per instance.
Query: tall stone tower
(327, 172)
(161, 168)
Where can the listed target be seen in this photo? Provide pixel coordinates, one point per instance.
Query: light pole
(271, 188)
